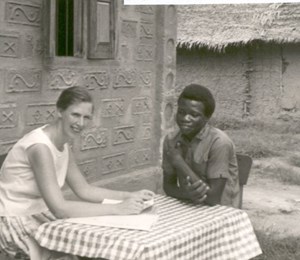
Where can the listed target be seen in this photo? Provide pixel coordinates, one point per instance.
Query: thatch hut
(248, 54)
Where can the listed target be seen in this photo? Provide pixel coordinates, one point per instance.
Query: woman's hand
(134, 202)
(130, 206)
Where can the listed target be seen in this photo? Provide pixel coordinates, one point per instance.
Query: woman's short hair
(200, 93)
(71, 96)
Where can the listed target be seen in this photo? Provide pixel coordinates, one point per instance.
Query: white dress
(22, 208)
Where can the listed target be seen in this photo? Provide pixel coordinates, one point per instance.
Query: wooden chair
(244, 166)
(2, 158)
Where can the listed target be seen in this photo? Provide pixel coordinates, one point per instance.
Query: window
(66, 36)
(64, 27)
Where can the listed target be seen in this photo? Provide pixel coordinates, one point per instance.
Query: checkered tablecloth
(183, 231)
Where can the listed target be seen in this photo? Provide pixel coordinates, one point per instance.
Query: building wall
(265, 81)
(290, 79)
(223, 74)
(126, 132)
(258, 80)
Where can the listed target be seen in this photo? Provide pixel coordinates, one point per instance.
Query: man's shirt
(211, 155)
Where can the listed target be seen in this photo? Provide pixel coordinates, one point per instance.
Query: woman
(37, 167)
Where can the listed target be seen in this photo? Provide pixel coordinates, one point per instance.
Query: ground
(272, 204)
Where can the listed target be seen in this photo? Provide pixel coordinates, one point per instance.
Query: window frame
(84, 30)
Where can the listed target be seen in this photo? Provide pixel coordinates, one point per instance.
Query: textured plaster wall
(223, 74)
(259, 80)
(291, 79)
(126, 131)
(265, 81)
(21, 70)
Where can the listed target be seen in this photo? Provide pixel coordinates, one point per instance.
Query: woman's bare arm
(42, 164)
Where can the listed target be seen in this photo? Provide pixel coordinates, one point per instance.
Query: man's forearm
(184, 170)
(174, 191)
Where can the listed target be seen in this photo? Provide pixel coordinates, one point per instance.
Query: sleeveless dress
(22, 208)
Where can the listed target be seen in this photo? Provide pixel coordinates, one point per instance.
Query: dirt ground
(272, 205)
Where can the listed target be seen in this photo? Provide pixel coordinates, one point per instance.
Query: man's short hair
(200, 93)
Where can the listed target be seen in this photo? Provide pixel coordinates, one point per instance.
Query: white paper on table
(144, 221)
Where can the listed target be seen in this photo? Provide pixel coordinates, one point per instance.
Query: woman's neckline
(46, 133)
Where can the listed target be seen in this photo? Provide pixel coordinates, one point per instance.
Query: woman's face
(76, 118)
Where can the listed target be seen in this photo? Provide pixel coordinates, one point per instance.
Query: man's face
(190, 117)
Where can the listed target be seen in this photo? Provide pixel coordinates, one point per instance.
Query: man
(199, 161)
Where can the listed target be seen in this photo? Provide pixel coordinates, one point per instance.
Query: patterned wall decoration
(140, 157)
(145, 9)
(38, 47)
(28, 46)
(146, 132)
(40, 113)
(33, 46)
(94, 138)
(146, 30)
(125, 51)
(112, 107)
(170, 80)
(6, 146)
(113, 163)
(96, 80)
(170, 51)
(9, 45)
(21, 13)
(124, 86)
(145, 78)
(145, 52)
(23, 81)
(171, 15)
(169, 113)
(129, 28)
(168, 107)
(141, 105)
(123, 134)
(88, 167)
(8, 115)
(125, 78)
(61, 79)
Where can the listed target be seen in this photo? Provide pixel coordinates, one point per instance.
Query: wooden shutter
(101, 29)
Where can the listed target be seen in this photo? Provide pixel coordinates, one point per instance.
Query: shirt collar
(203, 133)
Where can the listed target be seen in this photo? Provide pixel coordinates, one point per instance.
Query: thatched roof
(217, 26)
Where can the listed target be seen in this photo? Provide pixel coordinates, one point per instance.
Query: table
(183, 231)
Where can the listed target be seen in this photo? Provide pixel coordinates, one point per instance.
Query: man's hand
(196, 191)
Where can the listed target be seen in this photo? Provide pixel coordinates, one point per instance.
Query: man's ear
(206, 119)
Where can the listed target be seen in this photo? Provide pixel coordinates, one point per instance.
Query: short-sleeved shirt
(19, 192)
(211, 155)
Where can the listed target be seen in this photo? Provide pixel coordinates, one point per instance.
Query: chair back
(244, 166)
(2, 158)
